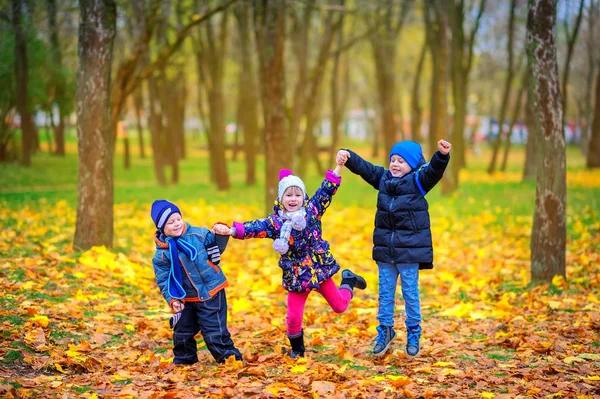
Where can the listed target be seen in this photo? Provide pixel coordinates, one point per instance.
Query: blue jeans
(388, 279)
(210, 318)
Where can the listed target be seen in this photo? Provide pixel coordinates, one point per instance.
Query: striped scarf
(175, 282)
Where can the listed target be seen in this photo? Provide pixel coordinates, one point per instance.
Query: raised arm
(431, 173)
(321, 200)
(369, 172)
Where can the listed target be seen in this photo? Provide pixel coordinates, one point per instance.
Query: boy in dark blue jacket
(186, 265)
(402, 236)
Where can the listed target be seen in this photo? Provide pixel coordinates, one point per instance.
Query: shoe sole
(412, 356)
(361, 283)
(386, 349)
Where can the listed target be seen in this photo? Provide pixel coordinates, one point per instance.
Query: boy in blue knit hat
(186, 266)
(402, 236)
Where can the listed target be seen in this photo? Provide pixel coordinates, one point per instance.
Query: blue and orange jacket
(202, 279)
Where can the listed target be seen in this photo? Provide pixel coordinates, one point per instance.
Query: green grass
(51, 179)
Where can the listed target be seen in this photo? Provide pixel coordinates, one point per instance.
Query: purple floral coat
(308, 261)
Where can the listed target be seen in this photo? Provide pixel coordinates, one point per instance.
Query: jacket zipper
(392, 248)
(412, 220)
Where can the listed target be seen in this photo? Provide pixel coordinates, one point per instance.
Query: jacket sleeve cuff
(239, 230)
(333, 178)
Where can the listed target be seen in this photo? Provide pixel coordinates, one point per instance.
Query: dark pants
(210, 318)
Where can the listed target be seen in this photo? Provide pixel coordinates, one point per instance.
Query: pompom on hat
(410, 151)
(161, 211)
(287, 180)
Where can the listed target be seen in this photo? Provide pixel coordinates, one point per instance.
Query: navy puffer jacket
(402, 228)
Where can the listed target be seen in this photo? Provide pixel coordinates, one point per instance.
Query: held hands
(444, 147)
(177, 306)
(221, 229)
(341, 157)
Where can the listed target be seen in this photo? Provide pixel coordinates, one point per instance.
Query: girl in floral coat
(306, 261)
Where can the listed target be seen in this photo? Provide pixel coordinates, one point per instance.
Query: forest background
(107, 106)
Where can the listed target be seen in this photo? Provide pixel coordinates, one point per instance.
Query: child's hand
(177, 306)
(444, 147)
(341, 157)
(221, 229)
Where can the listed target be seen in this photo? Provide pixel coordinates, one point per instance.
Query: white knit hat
(287, 180)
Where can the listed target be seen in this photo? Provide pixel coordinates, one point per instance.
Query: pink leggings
(337, 299)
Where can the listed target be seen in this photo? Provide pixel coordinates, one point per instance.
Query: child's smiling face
(174, 225)
(293, 198)
(398, 166)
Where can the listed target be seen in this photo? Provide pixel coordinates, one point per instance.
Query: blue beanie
(161, 210)
(409, 150)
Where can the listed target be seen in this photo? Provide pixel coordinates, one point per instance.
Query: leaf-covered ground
(93, 324)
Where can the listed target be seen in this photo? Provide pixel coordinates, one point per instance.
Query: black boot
(352, 280)
(297, 342)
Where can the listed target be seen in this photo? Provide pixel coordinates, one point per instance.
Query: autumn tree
(210, 48)
(571, 37)
(436, 21)
(510, 73)
(584, 95)
(416, 118)
(332, 22)
(548, 238)
(97, 30)
(270, 28)
(388, 18)
(461, 59)
(248, 91)
(20, 20)
(62, 97)
(593, 154)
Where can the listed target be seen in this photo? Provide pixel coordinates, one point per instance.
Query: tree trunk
(571, 40)
(513, 120)
(211, 45)
(529, 169)
(462, 55)
(438, 38)
(593, 155)
(300, 32)
(389, 23)
(338, 103)
(416, 119)
(270, 28)
(138, 100)
(156, 128)
(97, 30)
(249, 99)
(22, 82)
(507, 86)
(592, 65)
(548, 238)
(384, 57)
(438, 80)
(59, 129)
(332, 25)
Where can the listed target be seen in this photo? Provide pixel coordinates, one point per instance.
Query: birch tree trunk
(97, 28)
(548, 238)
